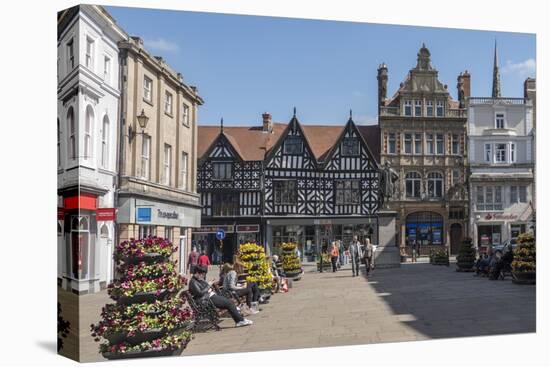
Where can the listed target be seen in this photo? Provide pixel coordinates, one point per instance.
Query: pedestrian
(334, 254)
(368, 253)
(355, 254)
(192, 260)
(203, 259)
(414, 249)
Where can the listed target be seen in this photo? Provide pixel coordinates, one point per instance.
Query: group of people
(356, 252)
(195, 258)
(492, 263)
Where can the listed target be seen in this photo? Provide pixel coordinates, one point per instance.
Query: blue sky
(246, 65)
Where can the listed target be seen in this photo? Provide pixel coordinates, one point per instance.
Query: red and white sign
(248, 228)
(105, 214)
(500, 216)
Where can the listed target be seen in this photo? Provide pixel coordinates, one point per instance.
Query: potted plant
(291, 262)
(466, 256)
(256, 265)
(146, 320)
(524, 265)
(439, 257)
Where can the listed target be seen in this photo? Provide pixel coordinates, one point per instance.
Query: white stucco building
(87, 124)
(500, 150)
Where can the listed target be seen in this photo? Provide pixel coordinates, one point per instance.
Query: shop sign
(105, 214)
(248, 228)
(500, 216)
(213, 229)
(143, 215)
(167, 215)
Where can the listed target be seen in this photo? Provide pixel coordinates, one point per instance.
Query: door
(456, 238)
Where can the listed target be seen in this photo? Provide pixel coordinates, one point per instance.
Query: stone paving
(414, 302)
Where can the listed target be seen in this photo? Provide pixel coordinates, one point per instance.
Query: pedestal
(387, 253)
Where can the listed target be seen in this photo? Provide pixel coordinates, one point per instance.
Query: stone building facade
(157, 192)
(423, 137)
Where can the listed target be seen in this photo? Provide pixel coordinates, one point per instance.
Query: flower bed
(164, 346)
(156, 246)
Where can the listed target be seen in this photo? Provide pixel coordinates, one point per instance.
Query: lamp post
(142, 119)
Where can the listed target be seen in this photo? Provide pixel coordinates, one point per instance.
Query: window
(392, 148)
(107, 69)
(456, 213)
(183, 171)
(88, 126)
(500, 153)
(148, 89)
(285, 192)
(58, 144)
(499, 120)
(489, 197)
(455, 177)
(89, 53)
(81, 255)
(417, 143)
(512, 152)
(222, 171)
(225, 204)
(185, 115)
(439, 144)
(167, 164)
(488, 152)
(105, 142)
(350, 147)
(293, 145)
(435, 185)
(169, 233)
(146, 157)
(408, 108)
(70, 55)
(408, 143)
(430, 143)
(72, 133)
(60, 228)
(168, 103)
(455, 144)
(440, 109)
(518, 194)
(147, 231)
(429, 108)
(347, 192)
(418, 108)
(413, 182)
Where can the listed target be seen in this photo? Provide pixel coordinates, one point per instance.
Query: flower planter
(524, 277)
(141, 297)
(148, 353)
(137, 338)
(149, 258)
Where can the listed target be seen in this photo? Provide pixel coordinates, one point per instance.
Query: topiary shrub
(466, 256)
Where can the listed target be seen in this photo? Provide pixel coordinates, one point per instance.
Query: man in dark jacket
(356, 254)
(201, 291)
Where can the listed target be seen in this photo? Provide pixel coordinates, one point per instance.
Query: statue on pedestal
(388, 177)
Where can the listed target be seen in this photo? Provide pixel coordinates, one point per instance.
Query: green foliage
(525, 254)
(291, 261)
(466, 255)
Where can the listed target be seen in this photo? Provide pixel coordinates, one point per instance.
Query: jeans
(252, 293)
(355, 265)
(333, 260)
(225, 304)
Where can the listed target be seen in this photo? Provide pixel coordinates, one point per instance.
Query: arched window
(105, 142)
(58, 144)
(72, 133)
(413, 181)
(88, 126)
(435, 185)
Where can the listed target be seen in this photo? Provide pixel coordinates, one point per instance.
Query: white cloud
(365, 120)
(161, 44)
(522, 68)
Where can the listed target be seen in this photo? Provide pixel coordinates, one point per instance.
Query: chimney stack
(463, 87)
(267, 124)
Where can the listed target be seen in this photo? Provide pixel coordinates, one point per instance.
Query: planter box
(143, 297)
(524, 277)
(148, 353)
(137, 338)
(149, 258)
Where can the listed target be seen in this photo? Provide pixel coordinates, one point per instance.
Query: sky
(246, 65)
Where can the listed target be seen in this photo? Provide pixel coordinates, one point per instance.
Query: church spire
(496, 75)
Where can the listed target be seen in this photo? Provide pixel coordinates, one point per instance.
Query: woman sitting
(251, 290)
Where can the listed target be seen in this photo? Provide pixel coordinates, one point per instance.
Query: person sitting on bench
(201, 291)
(250, 290)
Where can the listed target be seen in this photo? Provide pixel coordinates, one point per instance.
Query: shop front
(495, 228)
(314, 235)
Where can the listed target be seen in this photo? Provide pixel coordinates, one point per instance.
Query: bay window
(488, 198)
(500, 153)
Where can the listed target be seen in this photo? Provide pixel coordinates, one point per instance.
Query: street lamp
(142, 121)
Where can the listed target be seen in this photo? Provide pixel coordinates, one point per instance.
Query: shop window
(285, 192)
(426, 228)
(293, 145)
(413, 181)
(80, 252)
(147, 231)
(350, 147)
(347, 192)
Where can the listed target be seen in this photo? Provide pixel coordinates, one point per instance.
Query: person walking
(192, 260)
(334, 254)
(203, 259)
(414, 246)
(355, 254)
(368, 253)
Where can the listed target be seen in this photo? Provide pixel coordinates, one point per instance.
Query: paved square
(413, 302)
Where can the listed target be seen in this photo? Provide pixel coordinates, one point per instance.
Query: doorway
(456, 238)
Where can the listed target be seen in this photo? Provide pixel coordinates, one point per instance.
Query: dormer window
(440, 109)
(293, 145)
(350, 147)
(418, 108)
(408, 108)
(499, 120)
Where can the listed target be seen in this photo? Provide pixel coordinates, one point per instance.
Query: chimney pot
(267, 124)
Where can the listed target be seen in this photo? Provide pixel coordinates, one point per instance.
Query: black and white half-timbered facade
(291, 182)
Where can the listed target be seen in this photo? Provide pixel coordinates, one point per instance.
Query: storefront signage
(105, 214)
(213, 229)
(82, 201)
(220, 234)
(167, 215)
(143, 214)
(248, 228)
(500, 216)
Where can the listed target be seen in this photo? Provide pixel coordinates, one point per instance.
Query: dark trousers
(226, 304)
(252, 293)
(355, 265)
(333, 260)
(368, 264)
